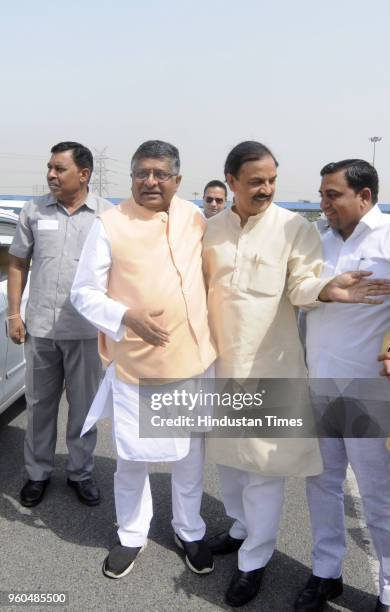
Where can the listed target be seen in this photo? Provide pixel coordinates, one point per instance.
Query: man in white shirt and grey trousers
(342, 343)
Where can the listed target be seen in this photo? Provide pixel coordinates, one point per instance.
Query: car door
(12, 362)
(3, 342)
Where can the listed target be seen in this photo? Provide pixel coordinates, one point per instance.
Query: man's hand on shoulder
(355, 288)
(143, 323)
(17, 330)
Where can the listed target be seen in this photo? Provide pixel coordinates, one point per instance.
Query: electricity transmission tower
(99, 177)
(38, 190)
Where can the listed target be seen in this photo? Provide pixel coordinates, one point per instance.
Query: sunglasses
(218, 201)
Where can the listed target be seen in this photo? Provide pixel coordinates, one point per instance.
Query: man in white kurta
(342, 343)
(260, 262)
(140, 283)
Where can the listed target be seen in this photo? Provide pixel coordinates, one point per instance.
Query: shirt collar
(90, 201)
(372, 219)
(144, 213)
(253, 219)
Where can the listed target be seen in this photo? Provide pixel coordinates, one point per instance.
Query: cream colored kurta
(256, 275)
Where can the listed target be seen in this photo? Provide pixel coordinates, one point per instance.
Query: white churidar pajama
(255, 522)
(133, 499)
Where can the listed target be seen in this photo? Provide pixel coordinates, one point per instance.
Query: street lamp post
(374, 140)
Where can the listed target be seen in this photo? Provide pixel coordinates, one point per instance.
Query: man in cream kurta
(140, 283)
(261, 261)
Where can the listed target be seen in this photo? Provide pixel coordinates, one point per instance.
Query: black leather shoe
(381, 607)
(317, 592)
(243, 587)
(86, 490)
(33, 492)
(223, 543)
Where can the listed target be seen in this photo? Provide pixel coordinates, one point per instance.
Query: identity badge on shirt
(48, 224)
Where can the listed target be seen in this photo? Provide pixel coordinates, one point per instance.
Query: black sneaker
(381, 607)
(223, 543)
(198, 556)
(120, 560)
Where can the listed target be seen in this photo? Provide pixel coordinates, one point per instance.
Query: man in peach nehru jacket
(140, 283)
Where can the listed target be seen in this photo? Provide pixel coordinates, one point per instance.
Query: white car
(12, 362)
(12, 205)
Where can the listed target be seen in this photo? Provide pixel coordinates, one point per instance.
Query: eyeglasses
(159, 175)
(218, 201)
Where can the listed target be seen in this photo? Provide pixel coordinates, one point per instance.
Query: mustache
(264, 197)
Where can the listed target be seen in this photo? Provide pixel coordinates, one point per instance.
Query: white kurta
(115, 398)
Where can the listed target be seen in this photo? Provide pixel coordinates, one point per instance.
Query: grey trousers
(50, 364)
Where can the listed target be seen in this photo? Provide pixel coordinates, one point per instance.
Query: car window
(7, 231)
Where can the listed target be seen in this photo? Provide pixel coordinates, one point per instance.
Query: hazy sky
(309, 79)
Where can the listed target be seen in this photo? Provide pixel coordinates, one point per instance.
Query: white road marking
(373, 563)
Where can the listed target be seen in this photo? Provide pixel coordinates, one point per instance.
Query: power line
(100, 181)
(38, 190)
(22, 155)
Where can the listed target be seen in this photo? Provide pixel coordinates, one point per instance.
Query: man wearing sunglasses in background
(214, 198)
(140, 283)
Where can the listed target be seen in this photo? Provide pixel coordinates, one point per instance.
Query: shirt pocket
(379, 266)
(46, 243)
(264, 277)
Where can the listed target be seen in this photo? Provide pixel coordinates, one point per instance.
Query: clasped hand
(143, 323)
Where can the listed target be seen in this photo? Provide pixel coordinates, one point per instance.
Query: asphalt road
(59, 545)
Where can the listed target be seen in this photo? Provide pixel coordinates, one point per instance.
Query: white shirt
(344, 340)
(88, 293)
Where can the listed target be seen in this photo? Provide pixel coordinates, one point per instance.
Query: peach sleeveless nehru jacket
(156, 264)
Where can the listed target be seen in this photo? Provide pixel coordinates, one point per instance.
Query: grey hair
(157, 149)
